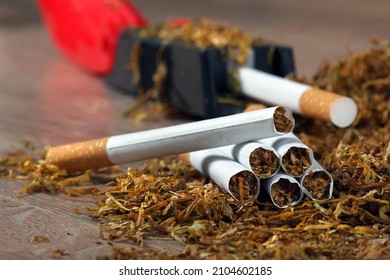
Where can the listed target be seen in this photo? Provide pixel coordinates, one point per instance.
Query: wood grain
(54, 217)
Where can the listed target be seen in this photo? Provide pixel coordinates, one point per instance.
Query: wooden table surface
(47, 100)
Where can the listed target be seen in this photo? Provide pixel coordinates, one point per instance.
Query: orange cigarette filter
(302, 99)
(80, 156)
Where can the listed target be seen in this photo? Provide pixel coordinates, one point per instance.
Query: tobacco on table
(169, 198)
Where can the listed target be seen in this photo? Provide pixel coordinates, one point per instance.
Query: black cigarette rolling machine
(197, 78)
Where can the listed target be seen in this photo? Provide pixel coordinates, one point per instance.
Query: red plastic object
(87, 31)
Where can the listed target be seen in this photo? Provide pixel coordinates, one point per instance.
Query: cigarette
(228, 174)
(317, 183)
(259, 158)
(172, 140)
(302, 99)
(295, 156)
(283, 190)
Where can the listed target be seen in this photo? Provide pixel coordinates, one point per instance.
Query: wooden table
(47, 100)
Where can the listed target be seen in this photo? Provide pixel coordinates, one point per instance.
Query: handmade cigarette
(295, 157)
(232, 177)
(302, 99)
(283, 190)
(260, 158)
(317, 183)
(172, 140)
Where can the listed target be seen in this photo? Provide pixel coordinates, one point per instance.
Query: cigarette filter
(317, 183)
(295, 156)
(172, 140)
(261, 159)
(283, 190)
(231, 176)
(301, 98)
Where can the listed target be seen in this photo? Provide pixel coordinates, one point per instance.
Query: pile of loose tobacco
(167, 197)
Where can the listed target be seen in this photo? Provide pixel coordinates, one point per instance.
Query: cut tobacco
(365, 77)
(243, 186)
(284, 192)
(296, 161)
(282, 122)
(317, 183)
(168, 198)
(264, 162)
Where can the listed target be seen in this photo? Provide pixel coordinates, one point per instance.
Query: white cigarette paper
(270, 183)
(221, 169)
(317, 170)
(301, 98)
(243, 153)
(172, 140)
(284, 144)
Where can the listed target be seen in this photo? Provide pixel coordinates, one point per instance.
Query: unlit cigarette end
(318, 184)
(244, 185)
(228, 174)
(328, 106)
(283, 120)
(285, 193)
(80, 156)
(296, 161)
(264, 163)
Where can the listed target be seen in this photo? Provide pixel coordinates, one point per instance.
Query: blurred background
(317, 31)
(47, 99)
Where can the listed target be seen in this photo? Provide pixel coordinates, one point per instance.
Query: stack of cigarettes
(300, 168)
(284, 166)
(242, 153)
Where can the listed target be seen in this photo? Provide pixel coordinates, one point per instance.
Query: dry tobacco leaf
(243, 186)
(58, 253)
(282, 122)
(296, 161)
(284, 192)
(167, 197)
(39, 239)
(317, 183)
(264, 162)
